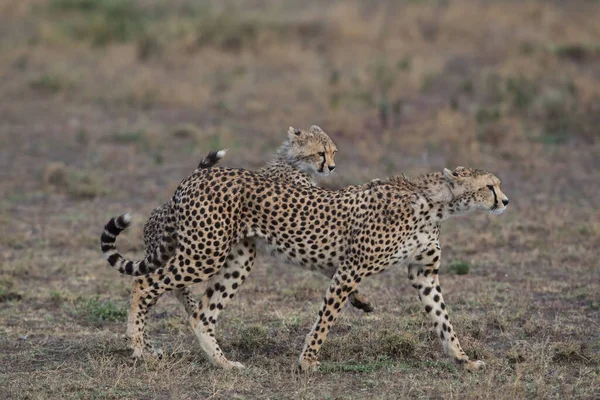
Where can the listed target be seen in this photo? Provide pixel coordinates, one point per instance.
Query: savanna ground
(107, 105)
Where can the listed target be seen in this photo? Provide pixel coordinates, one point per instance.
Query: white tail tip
(221, 153)
(127, 218)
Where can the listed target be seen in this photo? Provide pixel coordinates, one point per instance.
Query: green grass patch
(84, 185)
(327, 367)
(398, 345)
(249, 338)
(57, 297)
(96, 310)
(459, 267)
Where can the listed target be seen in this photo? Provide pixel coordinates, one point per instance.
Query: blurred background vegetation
(107, 104)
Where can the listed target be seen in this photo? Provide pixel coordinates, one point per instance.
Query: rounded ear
(293, 132)
(449, 175)
(316, 129)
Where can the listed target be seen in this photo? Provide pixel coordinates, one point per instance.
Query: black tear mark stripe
(495, 197)
(323, 163)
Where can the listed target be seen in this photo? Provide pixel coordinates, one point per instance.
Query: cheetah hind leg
(142, 349)
(220, 290)
(185, 298)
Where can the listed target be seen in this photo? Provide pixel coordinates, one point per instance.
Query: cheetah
(352, 234)
(305, 157)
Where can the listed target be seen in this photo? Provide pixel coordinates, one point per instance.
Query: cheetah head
(311, 150)
(476, 189)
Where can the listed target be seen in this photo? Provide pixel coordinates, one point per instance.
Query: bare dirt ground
(107, 105)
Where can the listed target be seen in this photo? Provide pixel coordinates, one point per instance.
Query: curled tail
(162, 250)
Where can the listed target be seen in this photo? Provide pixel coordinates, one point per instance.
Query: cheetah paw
(366, 307)
(309, 365)
(232, 365)
(140, 354)
(474, 365)
(361, 303)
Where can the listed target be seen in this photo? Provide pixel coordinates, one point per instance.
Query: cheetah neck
(283, 158)
(441, 201)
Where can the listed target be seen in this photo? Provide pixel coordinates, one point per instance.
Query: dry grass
(108, 104)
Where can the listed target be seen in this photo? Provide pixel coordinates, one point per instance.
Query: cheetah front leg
(425, 279)
(357, 299)
(342, 285)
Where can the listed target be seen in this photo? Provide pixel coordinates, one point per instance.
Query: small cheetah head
(311, 150)
(477, 189)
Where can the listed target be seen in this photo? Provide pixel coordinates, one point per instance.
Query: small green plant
(84, 185)
(50, 83)
(459, 267)
(96, 310)
(396, 344)
(56, 296)
(250, 338)
(127, 137)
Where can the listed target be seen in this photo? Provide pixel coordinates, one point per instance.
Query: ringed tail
(151, 262)
(112, 229)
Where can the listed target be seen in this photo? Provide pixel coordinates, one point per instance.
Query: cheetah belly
(283, 255)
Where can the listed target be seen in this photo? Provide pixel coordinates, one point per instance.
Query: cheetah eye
(322, 154)
(491, 187)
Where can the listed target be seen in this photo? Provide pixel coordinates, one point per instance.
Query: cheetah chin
(497, 211)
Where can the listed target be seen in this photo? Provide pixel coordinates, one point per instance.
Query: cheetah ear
(450, 176)
(316, 129)
(293, 132)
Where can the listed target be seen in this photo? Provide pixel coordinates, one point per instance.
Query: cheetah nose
(331, 167)
(505, 202)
